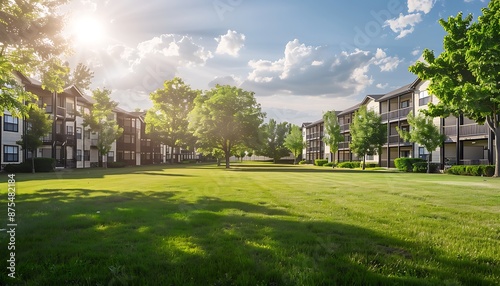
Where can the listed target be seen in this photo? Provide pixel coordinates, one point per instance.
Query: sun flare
(87, 30)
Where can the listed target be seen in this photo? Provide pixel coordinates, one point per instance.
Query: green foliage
(320, 162)
(330, 164)
(303, 162)
(349, 165)
(55, 75)
(465, 76)
(99, 121)
(294, 141)
(421, 167)
(81, 77)
(118, 164)
(273, 136)
(41, 165)
(224, 117)
(367, 132)
(167, 121)
(332, 133)
(406, 164)
(472, 170)
(13, 96)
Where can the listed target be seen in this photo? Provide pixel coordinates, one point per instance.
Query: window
(78, 133)
(78, 155)
(11, 153)
(10, 123)
(424, 98)
(111, 156)
(422, 153)
(405, 154)
(129, 155)
(86, 155)
(69, 130)
(405, 104)
(129, 139)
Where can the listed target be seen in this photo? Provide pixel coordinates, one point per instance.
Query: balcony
(345, 127)
(467, 130)
(129, 129)
(93, 142)
(317, 135)
(396, 114)
(343, 145)
(396, 139)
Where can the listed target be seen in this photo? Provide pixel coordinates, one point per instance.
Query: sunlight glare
(88, 31)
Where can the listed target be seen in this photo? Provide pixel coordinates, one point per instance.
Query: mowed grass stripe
(255, 224)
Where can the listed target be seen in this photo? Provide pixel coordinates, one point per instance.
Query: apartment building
(467, 142)
(72, 144)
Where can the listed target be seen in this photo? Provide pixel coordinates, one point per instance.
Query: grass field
(255, 224)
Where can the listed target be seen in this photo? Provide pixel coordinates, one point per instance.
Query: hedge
(472, 170)
(320, 162)
(119, 164)
(41, 165)
(421, 167)
(330, 164)
(406, 164)
(349, 165)
(303, 162)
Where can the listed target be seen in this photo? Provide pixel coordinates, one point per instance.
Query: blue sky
(301, 59)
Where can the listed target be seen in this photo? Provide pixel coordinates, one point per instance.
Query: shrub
(472, 170)
(329, 164)
(41, 165)
(421, 167)
(320, 162)
(489, 170)
(302, 162)
(371, 165)
(119, 164)
(406, 164)
(349, 165)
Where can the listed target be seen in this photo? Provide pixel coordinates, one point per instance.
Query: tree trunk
(227, 155)
(429, 163)
(218, 162)
(364, 162)
(171, 154)
(32, 162)
(497, 152)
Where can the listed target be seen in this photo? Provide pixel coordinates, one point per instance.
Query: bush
(320, 162)
(118, 164)
(421, 167)
(41, 165)
(472, 170)
(349, 165)
(303, 162)
(406, 164)
(371, 165)
(329, 164)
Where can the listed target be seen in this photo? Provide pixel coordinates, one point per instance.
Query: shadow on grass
(100, 237)
(299, 169)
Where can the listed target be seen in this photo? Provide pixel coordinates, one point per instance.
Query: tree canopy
(273, 139)
(225, 117)
(465, 77)
(295, 142)
(424, 133)
(168, 119)
(368, 134)
(332, 136)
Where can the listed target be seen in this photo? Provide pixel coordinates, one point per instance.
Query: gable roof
(400, 91)
(349, 110)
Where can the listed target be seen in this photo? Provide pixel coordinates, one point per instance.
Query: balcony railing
(61, 111)
(345, 127)
(450, 130)
(316, 135)
(396, 114)
(473, 130)
(344, 145)
(93, 142)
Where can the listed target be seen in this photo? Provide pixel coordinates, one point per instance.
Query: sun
(87, 30)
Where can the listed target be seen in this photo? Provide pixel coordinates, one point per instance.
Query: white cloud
(416, 52)
(382, 86)
(225, 80)
(404, 24)
(313, 71)
(385, 62)
(231, 43)
(420, 5)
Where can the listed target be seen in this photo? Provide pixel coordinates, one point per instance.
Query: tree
(332, 136)
(424, 133)
(295, 142)
(368, 134)
(225, 117)
(30, 35)
(37, 125)
(465, 77)
(168, 119)
(100, 120)
(81, 77)
(273, 139)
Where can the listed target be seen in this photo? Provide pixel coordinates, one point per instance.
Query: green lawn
(258, 224)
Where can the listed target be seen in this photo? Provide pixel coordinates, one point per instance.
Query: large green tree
(167, 120)
(424, 133)
(30, 35)
(368, 134)
(37, 126)
(465, 77)
(332, 136)
(273, 139)
(295, 142)
(225, 117)
(101, 121)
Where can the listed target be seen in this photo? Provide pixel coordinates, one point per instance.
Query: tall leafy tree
(100, 120)
(37, 125)
(225, 117)
(424, 133)
(368, 133)
(168, 119)
(81, 77)
(332, 136)
(295, 142)
(273, 139)
(465, 77)
(30, 35)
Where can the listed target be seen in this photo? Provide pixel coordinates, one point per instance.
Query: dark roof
(402, 90)
(371, 96)
(349, 110)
